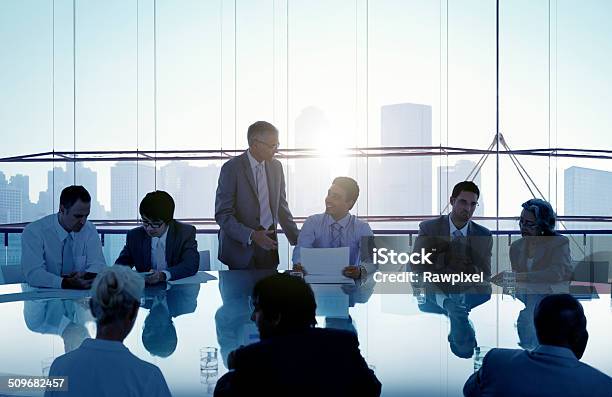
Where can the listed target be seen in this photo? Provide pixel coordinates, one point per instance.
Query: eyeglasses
(464, 203)
(154, 225)
(527, 224)
(270, 146)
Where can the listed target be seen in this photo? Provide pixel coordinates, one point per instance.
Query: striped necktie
(336, 234)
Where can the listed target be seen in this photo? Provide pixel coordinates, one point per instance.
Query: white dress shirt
(42, 243)
(453, 228)
(107, 368)
(441, 297)
(262, 183)
(158, 254)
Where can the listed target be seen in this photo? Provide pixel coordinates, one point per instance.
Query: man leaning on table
(162, 245)
(250, 202)
(63, 250)
(336, 227)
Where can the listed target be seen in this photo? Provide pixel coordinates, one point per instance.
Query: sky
(220, 67)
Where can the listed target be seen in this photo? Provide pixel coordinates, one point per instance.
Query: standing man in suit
(250, 201)
(553, 368)
(458, 245)
(162, 245)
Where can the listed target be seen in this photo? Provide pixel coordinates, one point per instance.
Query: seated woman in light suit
(542, 255)
(104, 366)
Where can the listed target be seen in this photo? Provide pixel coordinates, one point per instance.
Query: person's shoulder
(132, 360)
(558, 239)
(479, 229)
(68, 360)
(90, 227)
(315, 218)
(136, 232)
(40, 224)
(517, 244)
(595, 374)
(184, 227)
(233, 162)
(361, 222)
(430, 223)
(333, 338)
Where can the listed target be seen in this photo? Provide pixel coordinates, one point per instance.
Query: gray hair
(115, 291)
(544, 214)
(260, 129)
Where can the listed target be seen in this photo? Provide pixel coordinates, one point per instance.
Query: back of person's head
(71, 194)
(350, 186)
(157, 206)
(560, 321)
(116, 291)
(258, 129)
(544, 214)
(465, 186)
(286, 299)
(159, 334)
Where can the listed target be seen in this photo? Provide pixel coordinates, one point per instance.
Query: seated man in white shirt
(551, 369)
(63, 250)
(336, 227)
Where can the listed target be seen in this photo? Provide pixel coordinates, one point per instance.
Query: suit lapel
(273, 188)
(444, 227)
(248, 173)
(170, 242)
(146, 253)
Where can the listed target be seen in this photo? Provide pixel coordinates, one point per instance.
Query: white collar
(342, 221)
(463, 230)
(163, 237)
(61, 232)
(254, 163)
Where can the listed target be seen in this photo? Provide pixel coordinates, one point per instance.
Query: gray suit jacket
(237, 209)
(435, 233)
(546, 371)
(551, 261)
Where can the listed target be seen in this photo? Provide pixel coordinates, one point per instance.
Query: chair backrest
(204, 260)
(11, 274)
(590, 271)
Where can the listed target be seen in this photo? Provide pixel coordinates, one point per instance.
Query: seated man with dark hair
(293, 358)
(63, 250)
(336, 227)
(162, 245)
(551, 369)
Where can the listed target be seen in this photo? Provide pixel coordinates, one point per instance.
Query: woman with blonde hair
(104, 366)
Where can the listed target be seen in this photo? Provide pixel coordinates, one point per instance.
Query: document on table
(331, 300)
(325, 265)
(198, 278)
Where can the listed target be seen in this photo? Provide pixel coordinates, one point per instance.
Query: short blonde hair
(114, 292)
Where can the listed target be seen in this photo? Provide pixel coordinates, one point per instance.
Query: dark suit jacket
(316, 362)
(181, 250)
(237, 209)
(552, 261)
(435, 233)
(546, 371)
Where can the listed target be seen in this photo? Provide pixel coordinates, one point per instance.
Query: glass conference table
(177, 326)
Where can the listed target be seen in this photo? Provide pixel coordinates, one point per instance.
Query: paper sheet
(331, 300)
(324, 265)
(198, 278)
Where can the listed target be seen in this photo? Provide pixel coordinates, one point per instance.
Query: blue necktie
(67, 255)
(336, 235)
